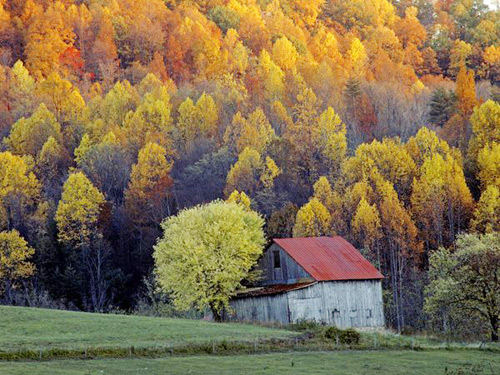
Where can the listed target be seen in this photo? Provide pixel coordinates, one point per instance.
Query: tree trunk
(216, 314)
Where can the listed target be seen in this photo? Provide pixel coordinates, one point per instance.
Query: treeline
(376, 121)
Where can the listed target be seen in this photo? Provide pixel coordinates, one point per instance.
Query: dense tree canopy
(375, 120)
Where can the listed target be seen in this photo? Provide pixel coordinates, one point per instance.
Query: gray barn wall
(340, 303)
(273, 308)
(289, 273)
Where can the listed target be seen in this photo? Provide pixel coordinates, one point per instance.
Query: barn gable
(296, 260)
(329, 258)
(278, 267)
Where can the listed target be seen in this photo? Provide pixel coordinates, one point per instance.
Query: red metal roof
(329, 258)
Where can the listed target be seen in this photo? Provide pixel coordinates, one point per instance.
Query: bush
(305, 326)
(347, 337)
(332, 332)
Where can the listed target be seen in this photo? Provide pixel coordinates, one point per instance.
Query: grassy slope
(34, 329)
(338, 363)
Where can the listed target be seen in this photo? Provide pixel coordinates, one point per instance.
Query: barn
(324, 279)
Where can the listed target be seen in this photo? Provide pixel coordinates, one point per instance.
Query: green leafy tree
(465, 281)
(205, 253)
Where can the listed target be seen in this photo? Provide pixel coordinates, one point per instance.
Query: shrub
(332, 332)
(305, 326)
(347, 337)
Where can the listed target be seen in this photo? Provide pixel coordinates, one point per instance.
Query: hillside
(41, 329)
(373, 120)
(48, 342)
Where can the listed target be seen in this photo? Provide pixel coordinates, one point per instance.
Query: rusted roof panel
(329, 258)
(272, 289)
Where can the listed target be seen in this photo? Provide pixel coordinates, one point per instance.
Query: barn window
(369, 313)
(277, 260)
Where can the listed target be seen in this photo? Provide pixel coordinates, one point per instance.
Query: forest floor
(38, 341)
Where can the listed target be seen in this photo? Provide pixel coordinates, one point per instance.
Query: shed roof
(329, 258)
(273, 289)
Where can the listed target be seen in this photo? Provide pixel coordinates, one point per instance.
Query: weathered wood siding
(289, 272)
(340, 303)
(272, 308)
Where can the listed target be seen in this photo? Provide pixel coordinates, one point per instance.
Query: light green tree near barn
(205, 253)
(465, 282)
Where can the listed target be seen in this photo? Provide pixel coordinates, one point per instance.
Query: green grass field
(331, 363)
(121, 344)
(35, 329)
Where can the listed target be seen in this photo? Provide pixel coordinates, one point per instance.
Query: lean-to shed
(324, 279)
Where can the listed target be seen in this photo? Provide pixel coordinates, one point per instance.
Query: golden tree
(146, 197)
(78, 211)
(487, 213)
(313, 219)
(15, 254)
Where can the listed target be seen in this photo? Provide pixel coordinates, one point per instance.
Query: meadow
(337, 363)
(42, 329)
(38, 341)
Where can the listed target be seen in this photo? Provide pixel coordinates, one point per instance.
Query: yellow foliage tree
(14, 260)
(256, 132)
(251, 173)
(271, 77)
(61, 97)
(205, 253)
(466, 91)
(208, 116)
(485, 122)
(269, 173)
(78, 211)
(425, 144)
(333, 140)
(52, 161)
(19, 191)
(313, 219)
(441, 200)
(47, 37)
(146, 197)
(366, 227)
(459, 56)
(244, 174)
(284, 54)
(83, 148)
(487, 213)
(28, 136)
(22, 90)
(356, 59)
(151, 121)
(489, 165)
(240, 198)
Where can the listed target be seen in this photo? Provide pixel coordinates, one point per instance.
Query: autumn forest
(375, 120)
